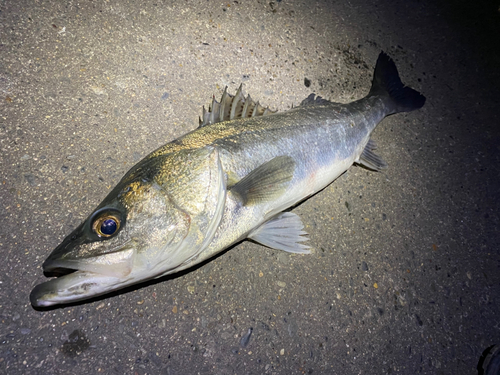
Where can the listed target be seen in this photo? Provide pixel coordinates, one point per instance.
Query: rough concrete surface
(404, 276)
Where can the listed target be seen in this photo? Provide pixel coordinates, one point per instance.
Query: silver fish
(228, 180)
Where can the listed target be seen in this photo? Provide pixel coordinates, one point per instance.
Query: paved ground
(404, 277)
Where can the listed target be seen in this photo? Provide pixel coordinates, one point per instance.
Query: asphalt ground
(404, 275)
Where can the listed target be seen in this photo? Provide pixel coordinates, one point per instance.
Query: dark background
(404, 276)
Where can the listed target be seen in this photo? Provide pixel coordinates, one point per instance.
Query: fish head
(149, 225)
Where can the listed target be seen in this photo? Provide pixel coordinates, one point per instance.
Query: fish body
(228, 180)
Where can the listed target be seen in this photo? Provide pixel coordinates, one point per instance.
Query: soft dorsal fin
(313, 99)
(232, 107)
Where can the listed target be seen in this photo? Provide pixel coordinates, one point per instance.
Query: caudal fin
(386, 82)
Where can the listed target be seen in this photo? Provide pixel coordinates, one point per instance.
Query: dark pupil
(108, 227)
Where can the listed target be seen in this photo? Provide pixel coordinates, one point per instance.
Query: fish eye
(106, 225)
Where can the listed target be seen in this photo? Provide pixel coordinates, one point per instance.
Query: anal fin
(283, 232)
(371, 160)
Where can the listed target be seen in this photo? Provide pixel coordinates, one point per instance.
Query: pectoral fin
(267, 182)
(283, 232)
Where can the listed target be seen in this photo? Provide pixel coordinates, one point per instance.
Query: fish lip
(74, 287)
(59, 267)
(38, 296)
(123, 255)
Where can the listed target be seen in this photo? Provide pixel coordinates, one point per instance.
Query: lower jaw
(73, 287)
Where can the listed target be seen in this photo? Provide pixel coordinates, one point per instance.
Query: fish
(234, 177)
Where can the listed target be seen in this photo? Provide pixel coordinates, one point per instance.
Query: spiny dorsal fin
(232, 107)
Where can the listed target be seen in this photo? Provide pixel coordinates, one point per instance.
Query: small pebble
(245, 340)
(100, 306)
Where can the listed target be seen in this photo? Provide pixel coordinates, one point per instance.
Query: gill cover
(194, 183)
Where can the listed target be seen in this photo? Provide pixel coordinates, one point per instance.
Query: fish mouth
(80, 279)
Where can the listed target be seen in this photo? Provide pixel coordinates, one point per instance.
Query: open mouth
(59, 272)
(78, 279)
(116, 264)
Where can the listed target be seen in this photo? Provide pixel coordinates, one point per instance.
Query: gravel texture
(405, 272)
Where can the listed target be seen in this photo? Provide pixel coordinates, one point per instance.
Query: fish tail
(386, 82)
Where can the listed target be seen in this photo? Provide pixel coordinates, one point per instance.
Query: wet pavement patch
(76, 344)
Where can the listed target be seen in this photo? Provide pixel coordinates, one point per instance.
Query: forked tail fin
(386, 82)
